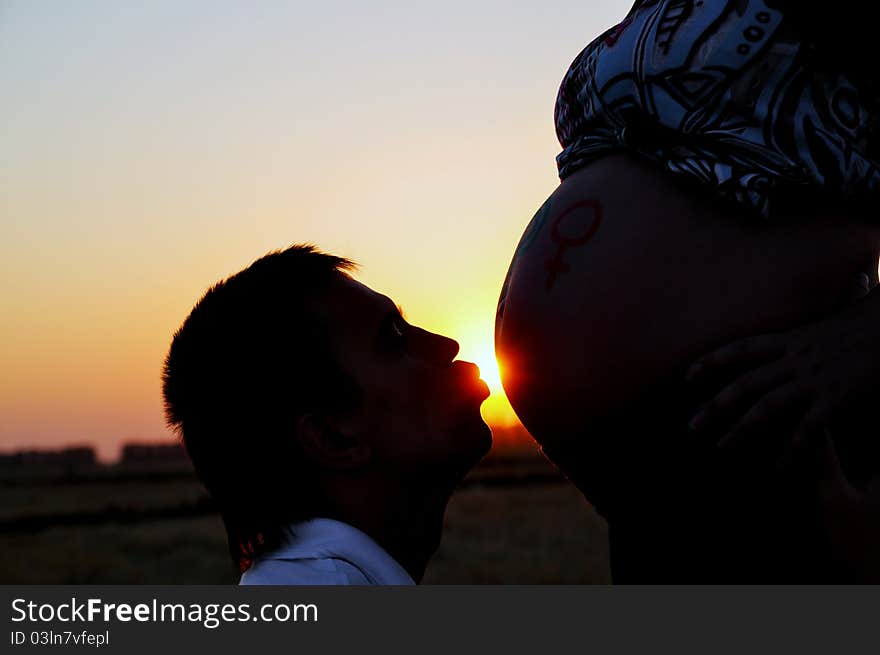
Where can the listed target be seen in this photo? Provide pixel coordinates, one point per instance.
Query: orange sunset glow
(149, 151)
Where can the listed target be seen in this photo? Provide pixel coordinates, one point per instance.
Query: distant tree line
(82, 460)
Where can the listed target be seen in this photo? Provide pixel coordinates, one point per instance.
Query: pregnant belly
(623, 277)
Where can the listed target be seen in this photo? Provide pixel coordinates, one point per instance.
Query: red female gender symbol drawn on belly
(556, 265)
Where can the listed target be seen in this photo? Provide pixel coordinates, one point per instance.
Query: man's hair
(252, 357)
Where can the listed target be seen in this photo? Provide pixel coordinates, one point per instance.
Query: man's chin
(487, 439)
(477, 435)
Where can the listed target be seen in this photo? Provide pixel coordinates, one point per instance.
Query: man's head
(291, 374)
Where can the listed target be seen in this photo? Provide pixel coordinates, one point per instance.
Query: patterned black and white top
(726, 94)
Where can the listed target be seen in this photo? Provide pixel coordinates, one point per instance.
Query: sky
(148, 150)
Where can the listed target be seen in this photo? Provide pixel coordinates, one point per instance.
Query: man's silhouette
(329, 432)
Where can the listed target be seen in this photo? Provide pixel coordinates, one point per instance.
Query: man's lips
(484, 389)
(481, 389)
(466, 376)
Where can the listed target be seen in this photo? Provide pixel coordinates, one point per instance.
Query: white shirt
(326, 552)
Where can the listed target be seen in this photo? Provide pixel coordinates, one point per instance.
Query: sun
(490, 371)
(478, 346)
(496, 408)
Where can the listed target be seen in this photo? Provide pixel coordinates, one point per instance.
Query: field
(514, 520)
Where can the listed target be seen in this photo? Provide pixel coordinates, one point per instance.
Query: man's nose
(436, 348)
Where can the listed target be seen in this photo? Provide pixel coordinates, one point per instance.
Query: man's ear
(323, 443)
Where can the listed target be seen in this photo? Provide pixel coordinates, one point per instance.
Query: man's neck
(407, 523)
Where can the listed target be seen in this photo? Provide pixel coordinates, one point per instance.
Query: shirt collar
(328, 538)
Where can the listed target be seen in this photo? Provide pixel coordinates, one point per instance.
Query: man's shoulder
(307, 571)
(323, 551)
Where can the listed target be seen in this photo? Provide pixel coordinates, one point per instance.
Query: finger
(832, 481)
(751, 385)
(807, 437)
(777, 402)
(751, 350)
(812, 427)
